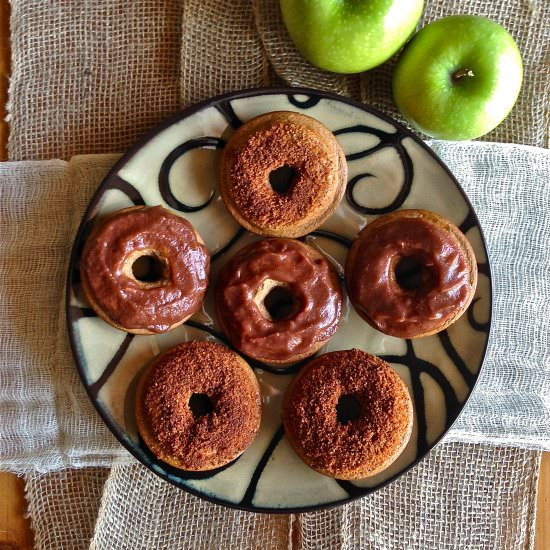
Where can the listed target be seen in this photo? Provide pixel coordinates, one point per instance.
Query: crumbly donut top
(215, 438)
(282, 144)
(361, 445)
(444, 269)
(149, 231)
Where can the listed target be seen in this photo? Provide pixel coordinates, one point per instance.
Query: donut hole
(282, 178)
(410, 273)
(348, 409)
(200, 404)
(148, 269)
(281, 304)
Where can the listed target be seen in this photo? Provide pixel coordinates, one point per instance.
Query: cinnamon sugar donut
(198, 406)
(278, 300)
(289, 141)
(144, 306)
(411, 273)
(348, 414)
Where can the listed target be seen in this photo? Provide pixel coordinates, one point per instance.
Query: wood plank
(15, 531)
(542, 536)
(4, 74)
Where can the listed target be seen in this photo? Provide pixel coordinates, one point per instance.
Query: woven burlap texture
(63, 507)
(91, 77)
(458, 509)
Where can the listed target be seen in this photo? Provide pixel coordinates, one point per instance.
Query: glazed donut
(316, 170)
(144, 306)
(348, 414)
(278, 301)
(198, 406)
(441, 279)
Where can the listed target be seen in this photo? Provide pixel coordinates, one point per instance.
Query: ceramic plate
(389, 169)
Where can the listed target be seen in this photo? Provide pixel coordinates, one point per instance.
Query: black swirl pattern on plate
(476, 325)
(307, 103)
(164, 174)
(226, 109)
(251, 489)
(240, 232)
(387, 139)
(112, 365)
(178, 472)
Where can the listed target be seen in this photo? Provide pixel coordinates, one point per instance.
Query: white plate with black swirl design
(389, 169)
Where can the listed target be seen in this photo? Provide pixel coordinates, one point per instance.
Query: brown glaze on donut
(360, 447)
(448, 273)
(310, 281)
(269, 142)
(137, 306)
(166, 421)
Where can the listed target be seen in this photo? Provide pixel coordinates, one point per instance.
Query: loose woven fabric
(47, 421)
(490, 504)
(509, 189)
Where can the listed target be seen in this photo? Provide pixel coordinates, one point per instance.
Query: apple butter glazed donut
(411, 273)
(198, 406)
(162, 299)
(348, 414)
(278, 301)
(282, 174)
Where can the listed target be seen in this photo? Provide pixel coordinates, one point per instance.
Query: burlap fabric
(411, 513)
(64, 506)
(90, 77)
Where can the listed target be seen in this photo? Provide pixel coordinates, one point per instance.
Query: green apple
(458, 78)
(350, 36)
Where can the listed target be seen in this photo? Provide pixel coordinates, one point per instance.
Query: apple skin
(444, 106)
(350, 36)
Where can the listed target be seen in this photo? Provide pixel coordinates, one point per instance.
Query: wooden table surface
(15, 532)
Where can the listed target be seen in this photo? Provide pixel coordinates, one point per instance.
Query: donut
(348, 414)
(411, 273)
(137, 304)
(299, 148)
(278, 301)
(198, 406)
